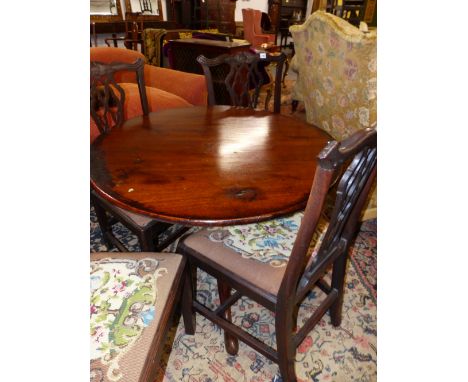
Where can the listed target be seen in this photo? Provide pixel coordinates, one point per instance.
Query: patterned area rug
(345, 353)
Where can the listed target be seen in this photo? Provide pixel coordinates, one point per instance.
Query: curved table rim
(206, 222)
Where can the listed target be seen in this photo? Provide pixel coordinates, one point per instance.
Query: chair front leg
(231, 342)
(285, 323)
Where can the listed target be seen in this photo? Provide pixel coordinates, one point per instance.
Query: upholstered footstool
(133, 296)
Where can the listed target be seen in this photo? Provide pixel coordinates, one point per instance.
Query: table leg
(231, 342)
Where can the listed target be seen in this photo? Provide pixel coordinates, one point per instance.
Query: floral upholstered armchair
(336, 68)
(132, 300)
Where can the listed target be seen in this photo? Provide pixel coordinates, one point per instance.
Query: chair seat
(132, 300)
(140, 220)
(259, 251)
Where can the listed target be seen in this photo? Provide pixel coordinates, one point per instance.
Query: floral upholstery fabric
(152, 45)
(268, 242)
(338, 74)
(337, 77)
(128, 296)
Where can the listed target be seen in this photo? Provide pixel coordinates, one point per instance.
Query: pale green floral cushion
(268, 242)
(123, 295)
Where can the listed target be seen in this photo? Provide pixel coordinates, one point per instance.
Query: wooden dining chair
(239, 78)
(278, 262)
(132, 302)
(107, 111)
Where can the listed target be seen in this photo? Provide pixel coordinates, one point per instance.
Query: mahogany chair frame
(352, 163)
(107, 103)
(245, 77)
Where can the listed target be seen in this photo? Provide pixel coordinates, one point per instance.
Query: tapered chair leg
(286, 350)
(190, 287)
(338, 278)
(231, 342)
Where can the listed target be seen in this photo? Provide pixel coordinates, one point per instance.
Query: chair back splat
(243, 76)
(306, 246)
(108, 97)
(359, 153)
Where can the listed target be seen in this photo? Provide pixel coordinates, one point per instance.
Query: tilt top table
(208, 166)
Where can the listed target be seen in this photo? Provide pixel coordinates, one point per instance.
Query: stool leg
(190, 287)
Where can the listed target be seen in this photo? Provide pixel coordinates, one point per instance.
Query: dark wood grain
(208, 166)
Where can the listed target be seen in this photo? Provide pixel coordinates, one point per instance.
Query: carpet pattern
(345, 353)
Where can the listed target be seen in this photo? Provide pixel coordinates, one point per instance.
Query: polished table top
(208, 165)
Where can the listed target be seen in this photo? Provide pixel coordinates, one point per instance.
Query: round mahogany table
(208, 166)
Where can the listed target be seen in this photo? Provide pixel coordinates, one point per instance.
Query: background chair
(107, 111)
(278, 262)
(352, 11)
(253, 33)
(239, 78)
(133, 298)
(284, 32)
(336, 65)
(132, 37)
